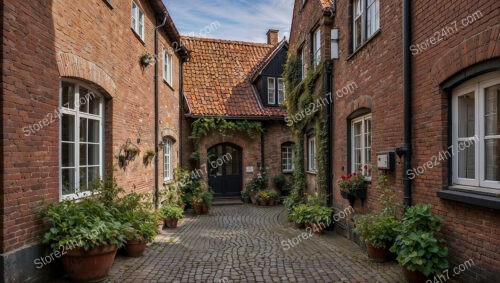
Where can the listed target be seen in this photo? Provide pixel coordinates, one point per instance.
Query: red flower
(366, 166)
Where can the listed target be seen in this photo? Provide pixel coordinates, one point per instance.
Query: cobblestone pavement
(242, 243)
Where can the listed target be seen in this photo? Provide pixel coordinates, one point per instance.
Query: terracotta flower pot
(171, 222)
(270, 202)
(262, 202)
(198, 209)
(379, 255)
(308, 225)
(299, 225)
(205, 209)
(415, 276)
(135, 248)
(91, 265)
(253, 199)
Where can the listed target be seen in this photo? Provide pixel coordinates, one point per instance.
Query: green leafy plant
(320, 214)
(316, 199)
(207, 198)
(273, 194)
(135, 212)
(87, 224)
(171, 211)
(263, 196)
(301, 214)
(291, 202)
(351, 182)
(258, 183)
(279, 181)
(379, 230)
(416, 246)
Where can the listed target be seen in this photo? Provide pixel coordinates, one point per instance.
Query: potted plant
(197, 203)
(353, 186)
(87, 234)
(148, 156)
(263, 197)
(146, 59)
(378, 232)
(280, 183)
(245, 197)
(131, 152)
(207, 199)
(171, 214)
(301, 215)
(419, 252)
(273, 197)
(291, 202)
(257, 184)
(320, 218)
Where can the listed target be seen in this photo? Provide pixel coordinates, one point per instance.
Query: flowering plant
(353, 181)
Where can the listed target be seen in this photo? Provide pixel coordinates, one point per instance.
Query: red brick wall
(277, 133)
(87, 40)
(377, 70)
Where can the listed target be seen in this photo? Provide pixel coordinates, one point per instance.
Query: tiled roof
(217, 78)
(269, 56)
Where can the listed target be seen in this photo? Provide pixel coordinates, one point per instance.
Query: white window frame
(167, 67)
(271, 90)
(77, 115)
(168, 171)
(364, 158)
(138, 20)
(368, 27)
(281, 91)
(287, 156)
(316, 47)
(311, 154)
(476, 86)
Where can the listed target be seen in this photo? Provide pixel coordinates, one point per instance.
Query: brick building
(454, 88)
(80, 60)
(237, 81)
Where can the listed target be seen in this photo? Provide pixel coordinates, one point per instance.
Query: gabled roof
(217, 79)
(265, 61)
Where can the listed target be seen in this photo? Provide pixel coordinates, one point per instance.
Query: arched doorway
(226, 180)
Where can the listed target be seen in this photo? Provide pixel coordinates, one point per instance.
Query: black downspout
(407, 150)
(262, 152)
(329, 96)
(157, 116)
(181, 112)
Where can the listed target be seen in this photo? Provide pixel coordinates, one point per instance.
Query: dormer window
(271, 91)
(281, 91)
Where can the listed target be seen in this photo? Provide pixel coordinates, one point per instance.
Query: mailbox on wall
(386, 160)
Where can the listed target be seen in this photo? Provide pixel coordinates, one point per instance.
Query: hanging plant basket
(148, 156)
(146, 59)
(131, 152)
(360, 193)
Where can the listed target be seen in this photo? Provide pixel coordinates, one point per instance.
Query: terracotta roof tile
(217, 78)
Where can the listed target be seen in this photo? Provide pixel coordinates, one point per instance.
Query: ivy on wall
(203, 126)
(302, 96)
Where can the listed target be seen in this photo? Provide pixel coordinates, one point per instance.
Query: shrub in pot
(301, 214)
(171, 214)
(280, 183)
(197, 203)
(291, 202)
(263, 197)
(378, 232)
(320, 217)
(257, 184)
(86, 234)
(207, 200)
(273, 197)
(419, 252)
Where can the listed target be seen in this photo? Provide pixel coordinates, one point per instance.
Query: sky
(242, 20)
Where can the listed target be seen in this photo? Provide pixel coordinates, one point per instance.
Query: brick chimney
(272, 36)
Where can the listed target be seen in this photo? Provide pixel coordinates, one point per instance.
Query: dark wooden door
(226, 176)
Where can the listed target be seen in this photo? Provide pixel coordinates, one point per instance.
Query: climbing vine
(203, 126)
(303, 96)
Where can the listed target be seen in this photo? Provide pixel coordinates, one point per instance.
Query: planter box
(92, 265)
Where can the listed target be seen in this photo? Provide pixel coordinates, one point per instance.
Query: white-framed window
(316, 47)
(476, 132)
(366, 20)
(287, 157)
(167, 67)
(361, 144)
(311, 154)
(168, 170)
(138, 20)
(271, 91)
(281, 91)
(81, 139)
(302, 63)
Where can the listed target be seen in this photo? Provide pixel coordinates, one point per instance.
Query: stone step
(227, 201)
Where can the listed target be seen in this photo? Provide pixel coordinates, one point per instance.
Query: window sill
(363, 45)
(287, 172)
(138, 37)
(108, 2)
(312, 172)
(465, 195)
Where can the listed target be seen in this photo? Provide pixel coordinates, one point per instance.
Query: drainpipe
(157, 116)
(181, 113)
(328, 89)
(407, 149)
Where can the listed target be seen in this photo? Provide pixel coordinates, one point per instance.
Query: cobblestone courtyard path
(242, 243)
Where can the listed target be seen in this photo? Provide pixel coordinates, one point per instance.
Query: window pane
(83, 154)
(93, 156)
(83, 100)
(68, 95)
(492, 105)
(68, 127)
(68, 181)
(68, 154)
(93, 175)
(94, 103)
(93, 131)
(83, 130)
(492, 159)
(83, 179)
(466, 116)
(466, 160)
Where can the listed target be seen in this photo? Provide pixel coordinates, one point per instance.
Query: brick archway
(480, 47)
(73, 66)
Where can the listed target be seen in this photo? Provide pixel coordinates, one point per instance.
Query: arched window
(287, 157)
(81, 139)
(361, 143)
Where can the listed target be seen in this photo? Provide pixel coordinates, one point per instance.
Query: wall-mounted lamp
(335, 43)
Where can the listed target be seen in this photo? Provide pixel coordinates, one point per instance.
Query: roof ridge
(227, 41)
